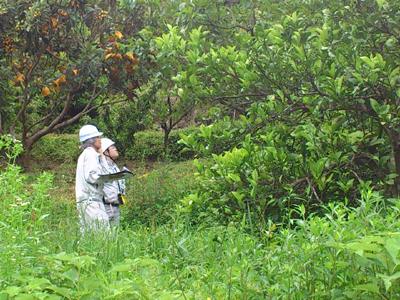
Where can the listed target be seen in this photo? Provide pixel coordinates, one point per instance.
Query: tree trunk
(166, 138)
(167, 130)
(396, 154)
(24, 159)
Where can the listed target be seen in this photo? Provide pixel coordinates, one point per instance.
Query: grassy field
(158, 253)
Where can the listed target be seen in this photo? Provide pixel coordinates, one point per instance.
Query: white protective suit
(89, 190)
(111, 191)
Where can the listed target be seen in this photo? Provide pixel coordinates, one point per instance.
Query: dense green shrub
(121, 121)
(150, 145)
(274, 166)
(57, 148)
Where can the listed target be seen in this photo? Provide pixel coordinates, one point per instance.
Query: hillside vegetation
(161, 253)
(285, 185)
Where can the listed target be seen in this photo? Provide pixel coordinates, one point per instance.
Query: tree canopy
(317, 87)
(61, 60)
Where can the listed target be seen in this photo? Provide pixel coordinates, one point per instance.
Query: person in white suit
(89, 183)
(113, 191)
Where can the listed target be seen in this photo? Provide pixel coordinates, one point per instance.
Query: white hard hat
(87, 132)
(106, 143)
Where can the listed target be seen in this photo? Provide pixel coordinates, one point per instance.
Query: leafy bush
(272, 166)
(121, 121)
(150, 145)
(58, 148)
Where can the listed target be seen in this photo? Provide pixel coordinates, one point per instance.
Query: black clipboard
(124, 174)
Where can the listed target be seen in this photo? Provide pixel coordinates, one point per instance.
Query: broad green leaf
(121, 268)
(22, 278)
(13, 290)
(379, 109)
(25, 297)
(380, 3)
(388, 279)
(393, 247)
(280, 94)
(64, 256)
(394, 75)
(91, 284)
(254, 175)
(359, 77)
(71, 274)
(374, 239)
(355, 137)
(318, 167)
(39, 283)
(235, 177)
(339, 82)
(364, 246)
(61, 290)
(239, 197)
(193, 79)
(368, 61)
(368, 287)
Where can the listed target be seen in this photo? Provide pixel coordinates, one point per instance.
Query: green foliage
(153, 197)
(317, 108)
(174, 91)
(271, 167)
(221, 135)
(58, 148)
(121, 121)
(342, 253)
(150, 145)
(10, 149)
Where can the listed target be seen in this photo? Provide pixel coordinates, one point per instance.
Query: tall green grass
(152, 197)
(344, 253)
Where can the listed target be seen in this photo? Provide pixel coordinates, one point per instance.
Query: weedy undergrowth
(339, 253)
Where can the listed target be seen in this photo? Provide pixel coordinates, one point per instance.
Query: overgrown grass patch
(154, 194)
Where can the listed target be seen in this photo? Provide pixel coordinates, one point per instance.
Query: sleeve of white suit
(93, 169)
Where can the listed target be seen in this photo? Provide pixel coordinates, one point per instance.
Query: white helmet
(87, 132)
(106, 143)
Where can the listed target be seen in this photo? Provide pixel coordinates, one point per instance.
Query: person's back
(87, 168)
(89, 184)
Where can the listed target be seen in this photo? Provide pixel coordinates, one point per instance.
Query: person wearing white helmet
(113, 191)
(89, 183)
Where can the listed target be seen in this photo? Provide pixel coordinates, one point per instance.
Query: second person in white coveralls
(113, 191)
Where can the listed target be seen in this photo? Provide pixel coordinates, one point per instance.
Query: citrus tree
(317, 83)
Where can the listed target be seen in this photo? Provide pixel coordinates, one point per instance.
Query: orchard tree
(61, 60)
(174, 92)
(318, 85)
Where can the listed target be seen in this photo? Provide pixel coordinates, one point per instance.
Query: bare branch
(313, 190)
